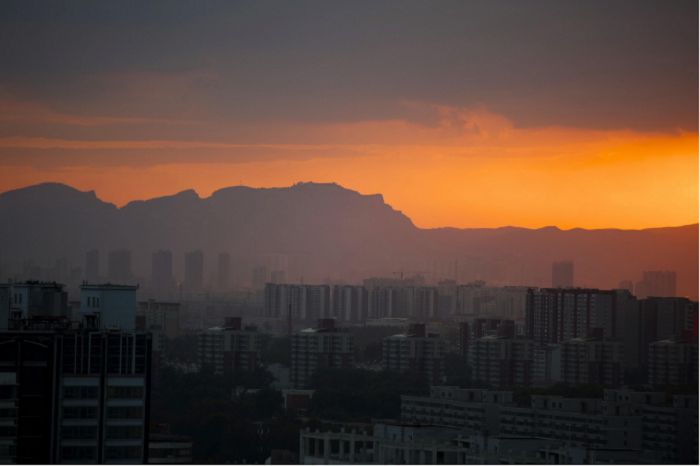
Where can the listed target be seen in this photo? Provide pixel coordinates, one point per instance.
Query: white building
(114, 306)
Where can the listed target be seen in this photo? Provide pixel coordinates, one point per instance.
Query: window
(80, 412)
(124, 432)
(8, 450)
(8, 431)
(80, 392)
(125, 412)
(123, 453)
(79, 432)
(125, 392)
(78, 453)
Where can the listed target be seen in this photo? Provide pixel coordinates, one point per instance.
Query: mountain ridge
(342, 232)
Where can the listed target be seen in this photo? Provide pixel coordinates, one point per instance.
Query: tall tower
(223, 270)
(563, 274)
(194, 270)
(161, 269)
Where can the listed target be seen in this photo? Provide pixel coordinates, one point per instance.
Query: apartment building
(672, 430)
(503, 360)
(554, 315)
(230, 347)
(674, 361)
(416, 351)
(319, 346)
(74, 396)
(308, 303)
(592, 359)
(474, 410)
(350, 303)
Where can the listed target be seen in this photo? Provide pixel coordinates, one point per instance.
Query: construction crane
(401, 272)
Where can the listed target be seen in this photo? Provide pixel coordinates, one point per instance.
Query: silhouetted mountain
(345, 234)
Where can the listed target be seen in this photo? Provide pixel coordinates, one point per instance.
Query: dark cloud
(609, 65)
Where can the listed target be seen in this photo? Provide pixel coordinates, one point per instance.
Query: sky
(463, 114)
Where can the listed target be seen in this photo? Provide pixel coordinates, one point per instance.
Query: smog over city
(302, 232)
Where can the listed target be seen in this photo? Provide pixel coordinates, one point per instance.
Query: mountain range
(343, 234)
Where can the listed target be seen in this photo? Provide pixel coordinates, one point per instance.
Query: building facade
(350, 303)
(416, 351)
(324, 345)
(592, 359)
(231, 347)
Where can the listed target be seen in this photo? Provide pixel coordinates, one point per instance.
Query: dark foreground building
(72, 395)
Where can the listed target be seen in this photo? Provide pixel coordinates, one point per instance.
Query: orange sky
(472, 169)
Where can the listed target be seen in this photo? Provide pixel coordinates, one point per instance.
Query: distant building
(656, 319)
(194, 270)
(659, 284)
(592, 359)
(546, 364)
(563, 274)
(674, 361)
(92, 265)
(308, 302)
(231, 347)
(163, 315)
(277, 277)
(161, 269)
(627, 285)
(259, 278)
(416, 351)
(503, 360)
(554, 315)
(223, 271)
(324, 345)
(119, 267)
(350, 303)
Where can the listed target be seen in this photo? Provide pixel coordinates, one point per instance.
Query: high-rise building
(77, 396)
(161, 269)
(224, 271)
(231, 347)
(92, 265)
(194, 270)
(592, 359)
(277, 277)
(324, 345)
(503, 360)
(350, 303)
(259, 278)
(416, 351)
(627, 285)
(655, 319)
(554, 315)
(119, 267)
(563, 274)
(73, 395)
(308, 302)
(660, 284)
(674, 361)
